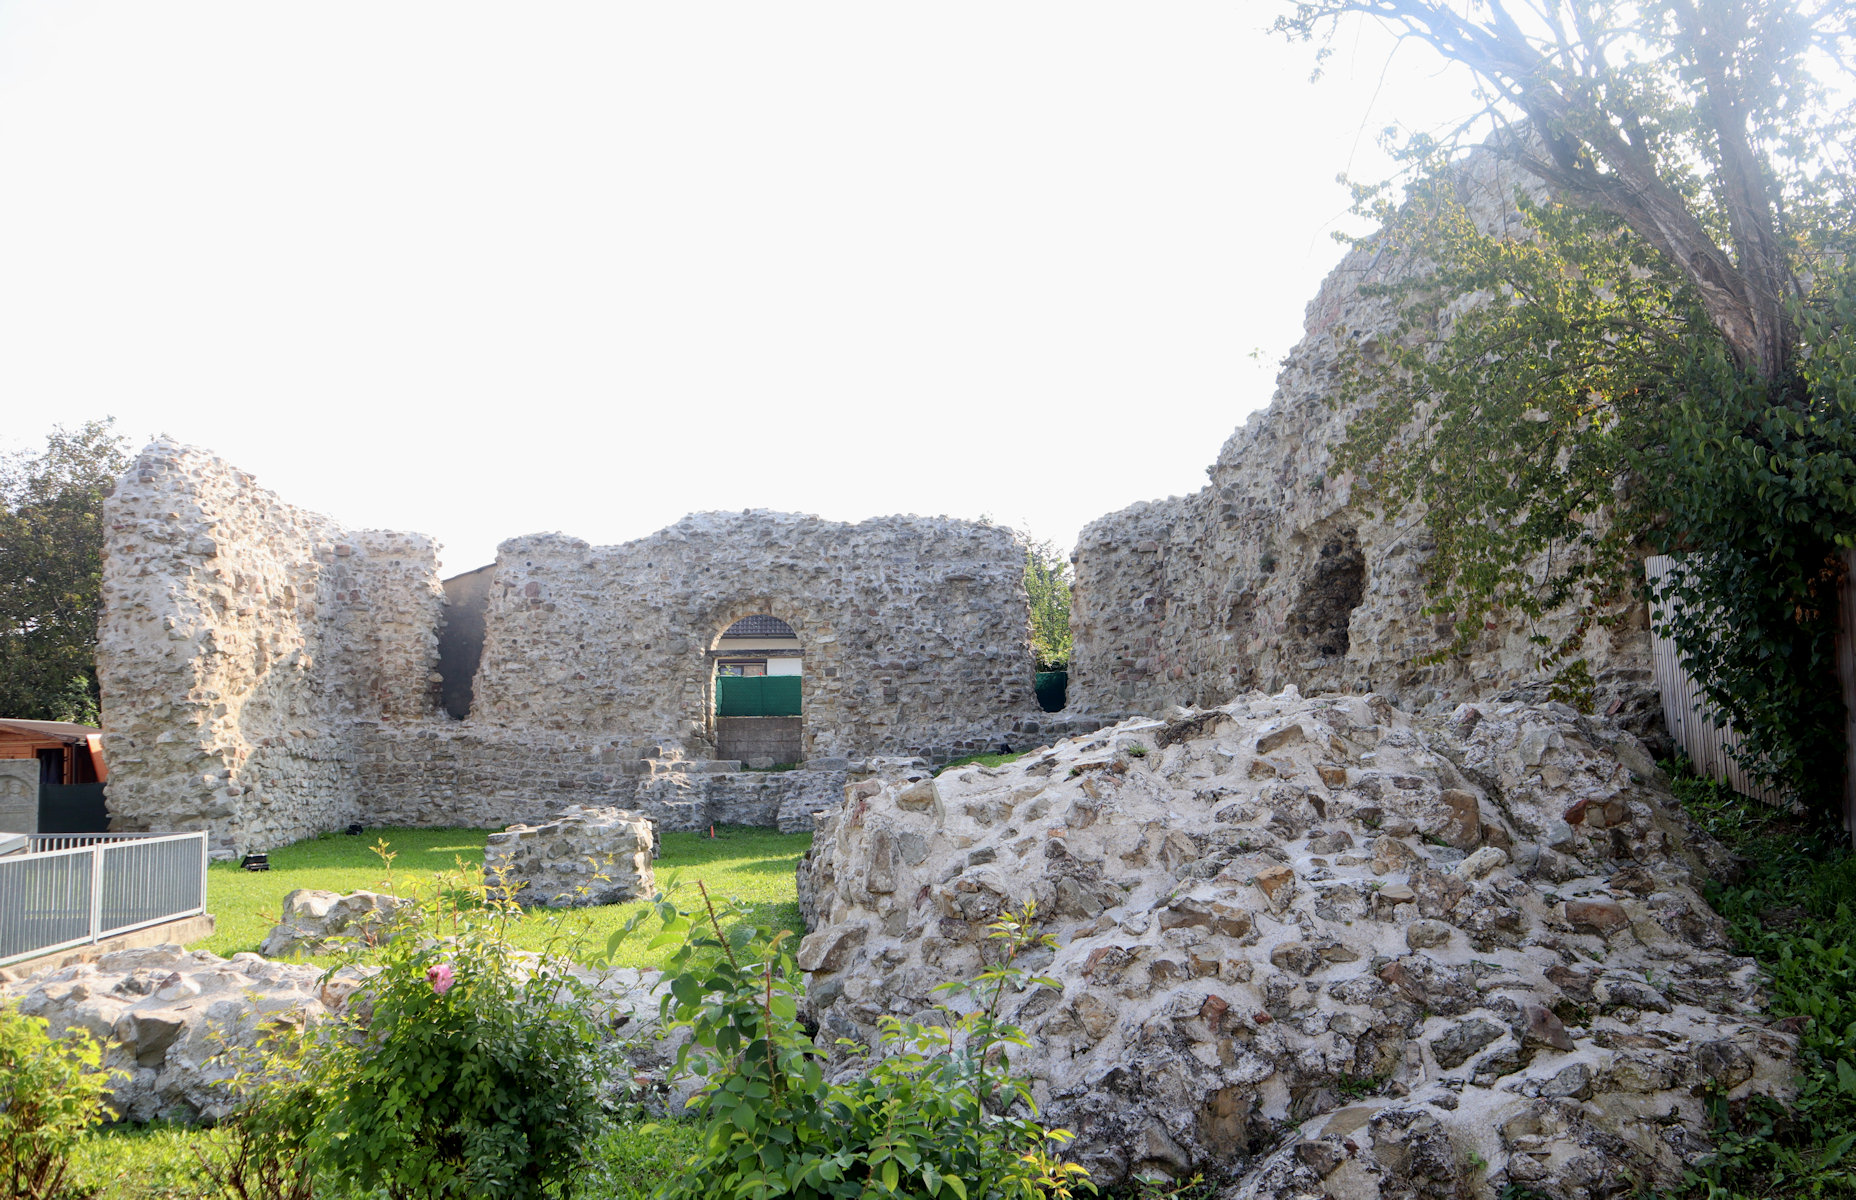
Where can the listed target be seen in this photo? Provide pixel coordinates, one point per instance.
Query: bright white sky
(484, 270)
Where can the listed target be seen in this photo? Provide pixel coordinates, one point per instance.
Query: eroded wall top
(914, 630)
(1274, 575)
(242, 640)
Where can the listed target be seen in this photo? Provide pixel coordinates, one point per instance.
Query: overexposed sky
(483, 270)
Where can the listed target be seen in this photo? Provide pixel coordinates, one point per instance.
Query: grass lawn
(753, 867)
(984, 760)
(162, 1162)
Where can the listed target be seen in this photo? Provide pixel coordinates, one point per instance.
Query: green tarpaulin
(757, 695)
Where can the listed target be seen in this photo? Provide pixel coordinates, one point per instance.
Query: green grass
(162, 1162)
(140, 1162)
(754, 867)
(984, 760)
(1794, 911)
(751, 866)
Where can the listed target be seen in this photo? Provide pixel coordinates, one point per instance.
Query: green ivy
(1552, 405)
(1795, 912)
(1759, 490)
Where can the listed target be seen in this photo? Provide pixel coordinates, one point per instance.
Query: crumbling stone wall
(242, 640)
(1275, 574)
(915, 630)
(268, 675)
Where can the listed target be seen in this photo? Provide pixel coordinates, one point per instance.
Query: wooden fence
(1708, 745)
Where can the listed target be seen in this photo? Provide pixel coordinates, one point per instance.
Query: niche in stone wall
(1333, 584)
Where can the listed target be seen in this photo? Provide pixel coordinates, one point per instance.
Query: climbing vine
(1552, 405)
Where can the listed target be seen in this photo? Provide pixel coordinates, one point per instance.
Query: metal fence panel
(149, 881)
(44, 902)
(109, 884)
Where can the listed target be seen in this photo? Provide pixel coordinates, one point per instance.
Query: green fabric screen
(757, 695)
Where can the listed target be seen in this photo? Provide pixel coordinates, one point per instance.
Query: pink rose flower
(440, 977)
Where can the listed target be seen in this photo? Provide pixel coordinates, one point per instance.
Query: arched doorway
(759, 690)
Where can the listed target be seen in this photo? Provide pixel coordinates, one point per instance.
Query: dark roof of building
(759, 625)
(63, 730)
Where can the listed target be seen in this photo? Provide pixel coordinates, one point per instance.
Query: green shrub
(467, 1068)
(938, 1114)
(51, 1092)
(1795, 911)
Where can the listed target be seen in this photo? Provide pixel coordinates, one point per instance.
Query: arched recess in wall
(756, 696)
(1332, 584)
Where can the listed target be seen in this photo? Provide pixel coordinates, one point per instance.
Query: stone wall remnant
(1391, 946)
(915, 630)
(584, 856)
(268, 675)
(244, 642)
(316, 921)
(19, 795)
(1277, 573)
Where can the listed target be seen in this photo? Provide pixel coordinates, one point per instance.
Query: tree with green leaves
(1659, 358)
(1047, 584)
(51, 571)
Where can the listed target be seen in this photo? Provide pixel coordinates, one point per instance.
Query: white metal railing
(60, 896)
(71, 841)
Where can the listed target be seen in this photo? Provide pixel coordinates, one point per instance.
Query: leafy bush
(1795, 911)
(261, 1151)
(51, 1092)
(467, 1068)
(933, 1116)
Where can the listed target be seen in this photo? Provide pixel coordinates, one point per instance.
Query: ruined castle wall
(444, 773)
(268, 674)
(1273, 574)
(241, 641)
(915, 630)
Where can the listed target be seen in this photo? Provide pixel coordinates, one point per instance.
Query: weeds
(1795, 911)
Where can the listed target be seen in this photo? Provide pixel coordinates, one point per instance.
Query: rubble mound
(316, 921)
(584, 856)
(167, 1018)
(1318, 947)
(177, 1026)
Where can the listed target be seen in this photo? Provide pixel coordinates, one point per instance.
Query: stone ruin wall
(915, 630)
(1273, 575)
(243, 639)
(268, 675)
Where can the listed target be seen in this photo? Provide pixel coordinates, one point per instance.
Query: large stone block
(19, 795)
(585, 856)
(1241, 953)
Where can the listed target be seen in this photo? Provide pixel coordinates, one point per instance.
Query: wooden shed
(68, 754)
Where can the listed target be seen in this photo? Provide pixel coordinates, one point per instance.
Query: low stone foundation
(441, 773)
(588, 856)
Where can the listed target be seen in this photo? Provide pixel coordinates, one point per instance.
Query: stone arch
(744, 637)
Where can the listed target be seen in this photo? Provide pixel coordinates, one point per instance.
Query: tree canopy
(1705, 126)
(1659, 358)
(51, 571)
(1047, 585)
